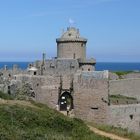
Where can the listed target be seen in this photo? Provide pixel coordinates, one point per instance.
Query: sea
(111, 66)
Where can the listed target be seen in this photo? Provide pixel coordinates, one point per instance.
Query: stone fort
(70, 82)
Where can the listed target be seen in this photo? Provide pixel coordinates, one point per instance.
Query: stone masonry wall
(73, 50)
(126, 87)
(61, 66)
(125, 116)
(87, 68)
(90, 98)
(66, 81)
(35, 81)
(131, 75)
(49, 91)
(46, 88)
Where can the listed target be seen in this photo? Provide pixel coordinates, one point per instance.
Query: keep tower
(70, 45)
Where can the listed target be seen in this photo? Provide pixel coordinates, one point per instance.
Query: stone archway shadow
(65, 101)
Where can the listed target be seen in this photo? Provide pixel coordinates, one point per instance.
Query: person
(68, 109)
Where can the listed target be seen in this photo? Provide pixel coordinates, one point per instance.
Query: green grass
(6, 96)
(122, 97)
(19, 122)
(118, 131)
(120, 73)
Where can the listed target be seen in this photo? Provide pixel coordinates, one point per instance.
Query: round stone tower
(71, 45)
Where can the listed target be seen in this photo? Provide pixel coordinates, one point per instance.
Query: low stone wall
(126, 87)
(131, 75)
(125, 116)
(113, 76)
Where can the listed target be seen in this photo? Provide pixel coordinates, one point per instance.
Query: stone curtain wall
(126, 87)
(61, 66)
(67, 82)
(46, 88)
(49, 91)
(90, 98)
(35, 83)
(131, 75)
(125, 116)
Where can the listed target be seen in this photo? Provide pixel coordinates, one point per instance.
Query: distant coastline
(111, 66)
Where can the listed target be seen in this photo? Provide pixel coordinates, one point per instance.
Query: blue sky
(30, 27)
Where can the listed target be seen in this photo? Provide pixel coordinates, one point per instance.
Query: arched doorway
(66, 102)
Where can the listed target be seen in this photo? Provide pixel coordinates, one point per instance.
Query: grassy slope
(118, 131)
(5, 96)
(19, 122)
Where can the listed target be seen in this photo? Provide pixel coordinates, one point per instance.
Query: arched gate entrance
(66, 102)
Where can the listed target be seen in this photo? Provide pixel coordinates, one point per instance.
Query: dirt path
(15, 102)
(105, 134)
